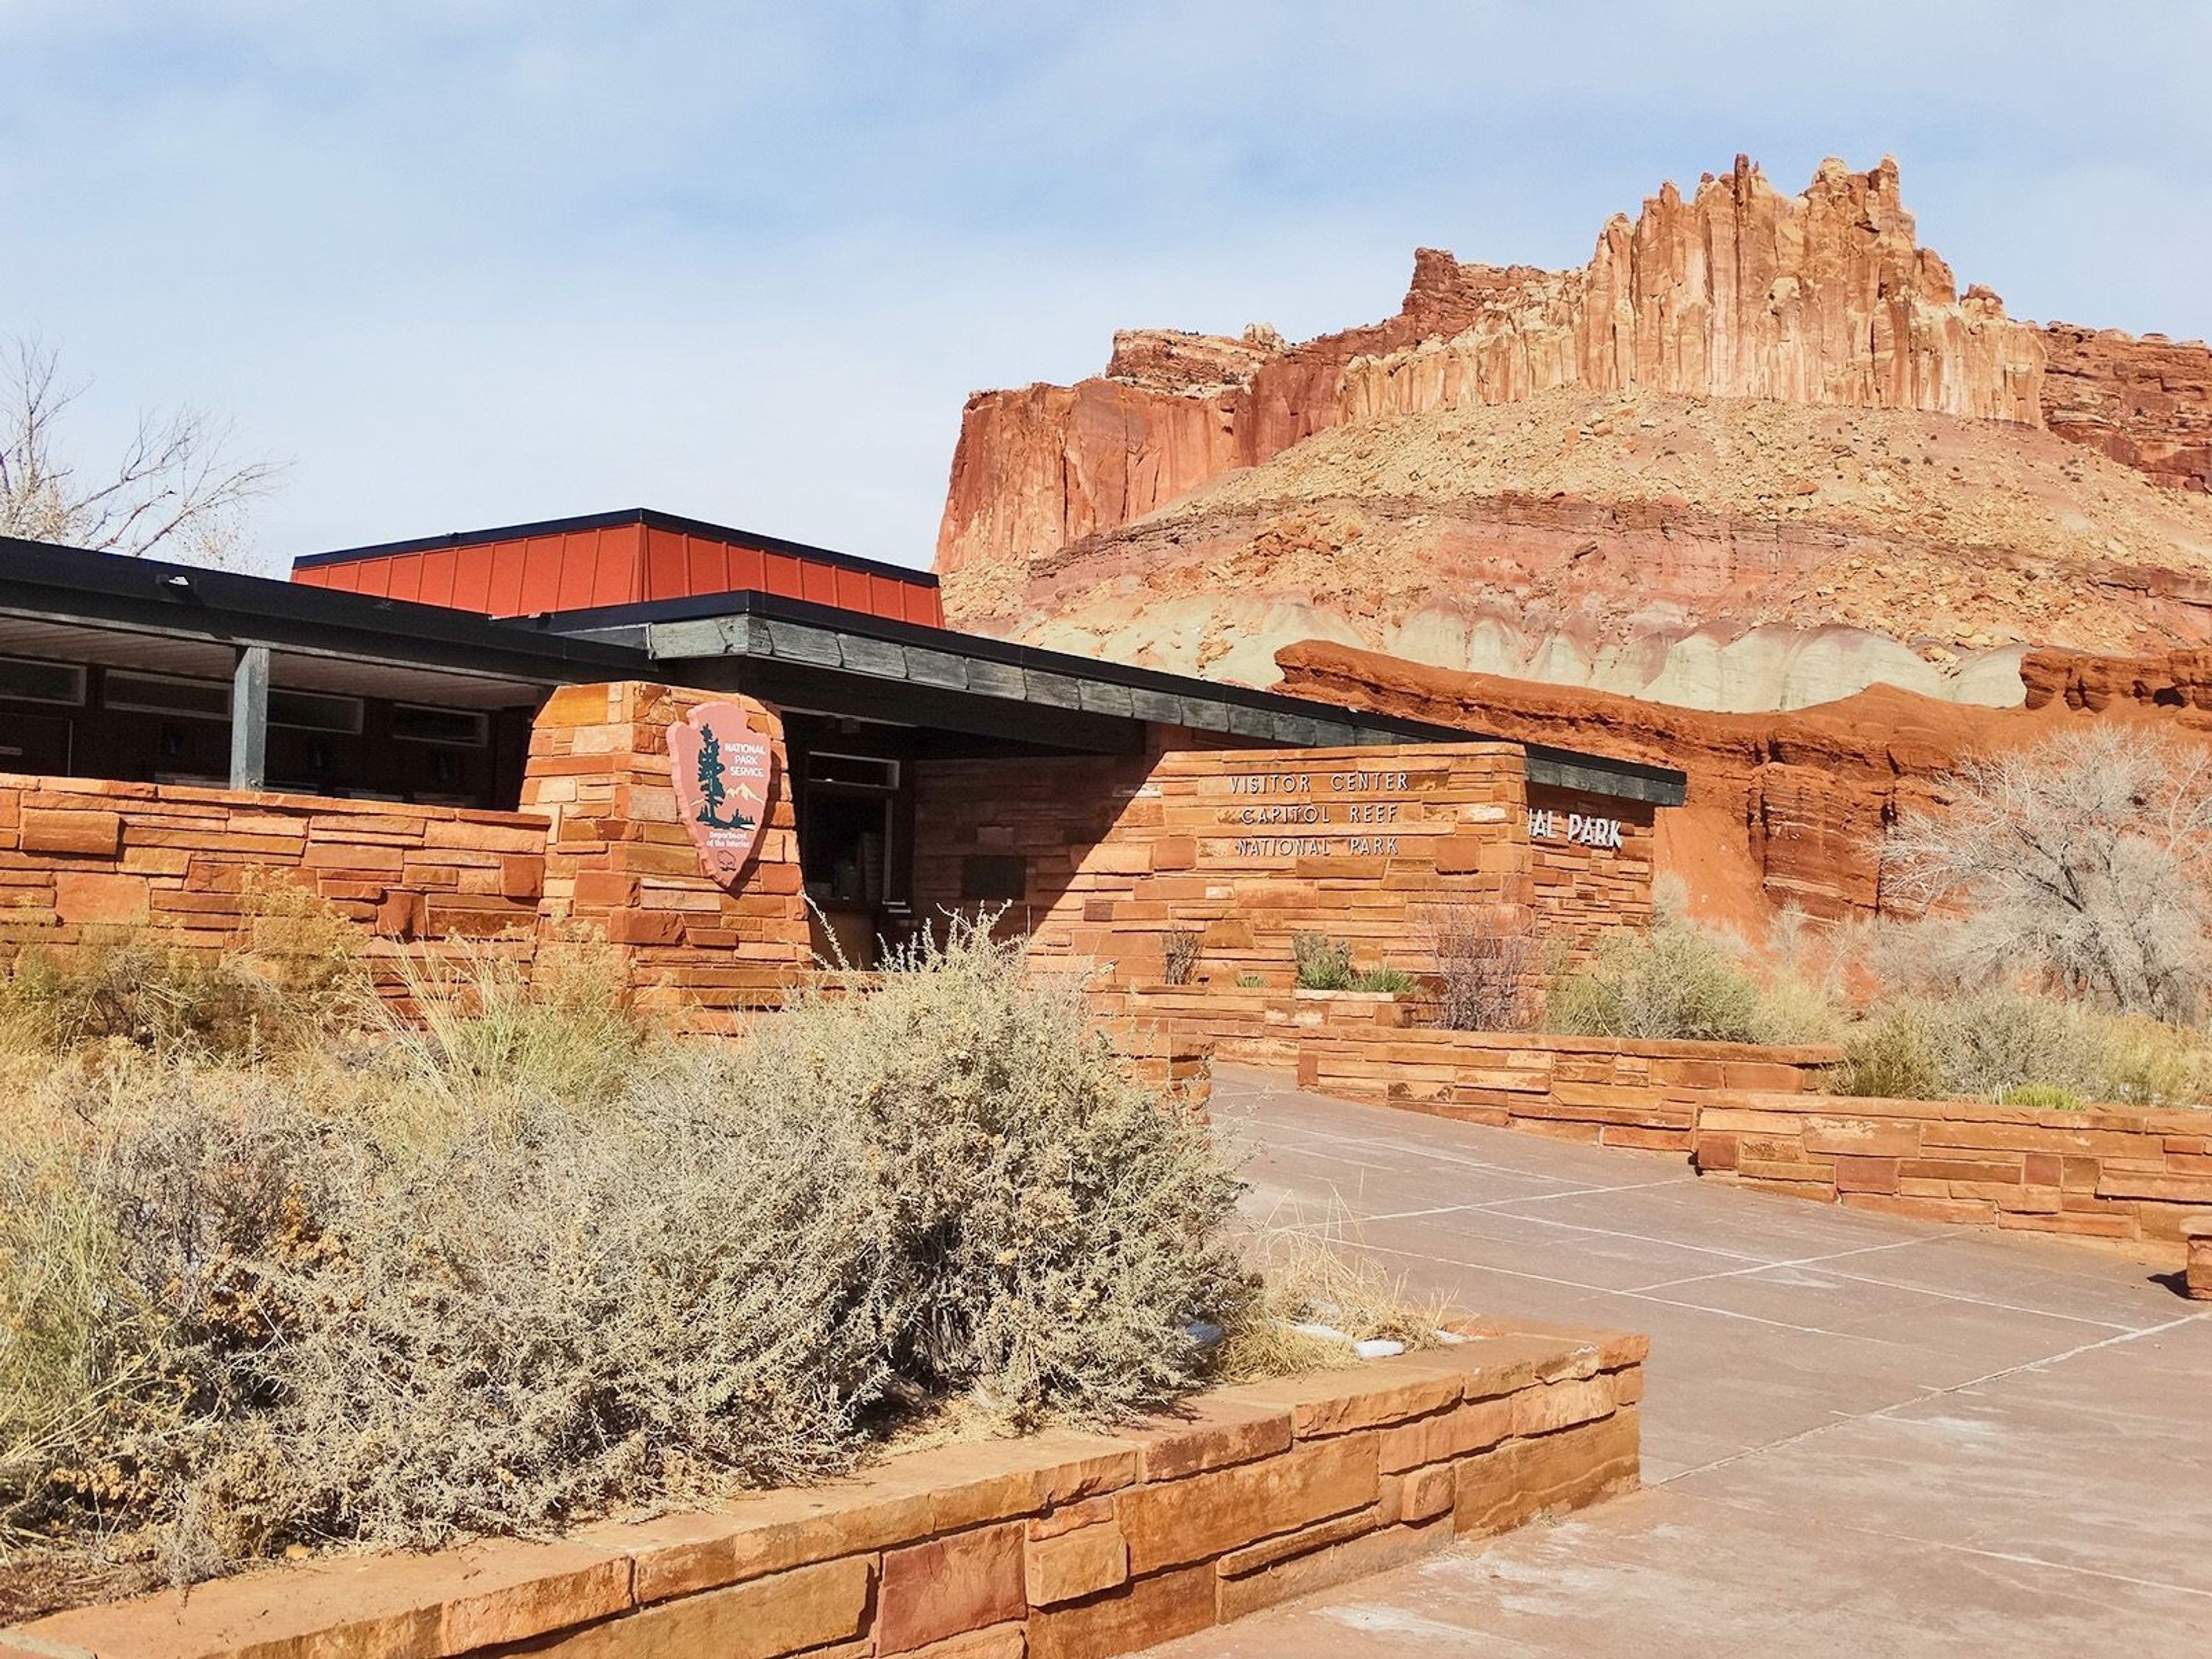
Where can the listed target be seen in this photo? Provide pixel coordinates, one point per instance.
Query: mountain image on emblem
(713, 787)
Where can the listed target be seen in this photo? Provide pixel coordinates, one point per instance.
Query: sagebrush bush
(2150, 1063)
(2017, 1048)
(272, 1306)
(1677, 980)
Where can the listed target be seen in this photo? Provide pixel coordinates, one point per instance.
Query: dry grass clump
(556, 1022)
(481, 1282)
(298, 978)
(1314, 1277)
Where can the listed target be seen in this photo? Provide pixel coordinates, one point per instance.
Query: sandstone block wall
(1062, 1546)
(2120, 1174)
(619, 862)
(83, 860)
(1248, 849)
(1369, 1047)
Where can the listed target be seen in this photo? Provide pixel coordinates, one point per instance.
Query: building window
(24, 681)
(314, 711)
(456, 728)
(167, 693)
(853, 771)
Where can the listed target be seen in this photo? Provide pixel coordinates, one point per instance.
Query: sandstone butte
(1786, 808)
(1760, 452)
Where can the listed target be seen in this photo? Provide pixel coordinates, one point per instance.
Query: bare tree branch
(2080, 864)
(177, 486)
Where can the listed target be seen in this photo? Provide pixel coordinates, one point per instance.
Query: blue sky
(478, 261)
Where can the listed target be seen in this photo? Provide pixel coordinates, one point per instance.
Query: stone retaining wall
(1063, 1546)
(1365, 1046)
(82, 859)
(2112, 1172)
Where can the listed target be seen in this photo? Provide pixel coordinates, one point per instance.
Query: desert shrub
(558, 1023)
(1067, 1220)
(1179, 951)
(1676, 978)
(2150, 1064)
(297, 975)
(1986, 1046)
(1395, 981)
(1997, 1042)
(1324, 963)
(261, 1315)
(2076, 866)
(1896, 1054)
(1489, 968)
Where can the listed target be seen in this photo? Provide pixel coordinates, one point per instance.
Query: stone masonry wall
(1248, 849)
(1367, 1046)
(619, 862)
(82, 861)
(1065, 1545)
(1580, 890)
(2123, 1173)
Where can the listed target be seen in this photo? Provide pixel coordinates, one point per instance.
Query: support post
(249, 718)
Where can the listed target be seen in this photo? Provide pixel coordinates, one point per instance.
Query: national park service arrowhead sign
(724, 770)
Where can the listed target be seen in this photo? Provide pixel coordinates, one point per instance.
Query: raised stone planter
(2197, 1280)
(1060, 1546)
(1366, 1046)
(2132, 1176)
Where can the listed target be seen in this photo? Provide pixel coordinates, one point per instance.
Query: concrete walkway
(1861, 1436)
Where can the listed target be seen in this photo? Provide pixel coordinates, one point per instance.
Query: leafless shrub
(1179, 952)
(176, 486)
(2078, 865)
(1490, 965)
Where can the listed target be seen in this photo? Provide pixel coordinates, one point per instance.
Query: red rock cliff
(1783, 808)
(1824, 297)
(2147, 402)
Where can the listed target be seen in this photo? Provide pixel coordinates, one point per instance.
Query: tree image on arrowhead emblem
(713, 788)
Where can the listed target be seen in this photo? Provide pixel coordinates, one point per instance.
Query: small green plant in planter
(1324, 963)
(2044, 1097)
(1396, 981)
(1252, 982)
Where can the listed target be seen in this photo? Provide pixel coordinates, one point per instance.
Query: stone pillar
(621, 860)
(2196, 1277)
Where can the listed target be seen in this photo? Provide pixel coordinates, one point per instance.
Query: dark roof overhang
(72, 586)
(762, 640)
